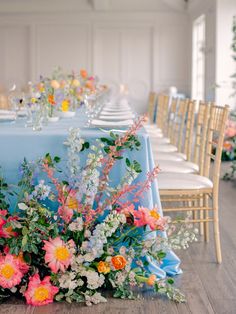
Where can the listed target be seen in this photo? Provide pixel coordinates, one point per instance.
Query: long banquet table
(17, 142)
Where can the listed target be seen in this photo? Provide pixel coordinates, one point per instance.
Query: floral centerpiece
(63, 93)
(72, 235)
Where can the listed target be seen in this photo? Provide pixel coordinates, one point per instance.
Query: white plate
(66, 114)
(115, 117)
(115, 113)
(111, 124)
(7, 118)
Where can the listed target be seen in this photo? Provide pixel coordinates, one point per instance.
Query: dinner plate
(111, 124)
(7, 118)
(115, 113)
(116, 117)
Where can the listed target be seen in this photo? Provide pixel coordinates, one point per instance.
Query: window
(198, 59)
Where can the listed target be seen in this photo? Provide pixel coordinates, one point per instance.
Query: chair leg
(206, 224)
(201, 216)
(216, 228)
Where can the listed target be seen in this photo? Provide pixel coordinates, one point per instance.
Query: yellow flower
(33, 100)
(103, 267)
(65, 105)
(154, 214)
(75, 83)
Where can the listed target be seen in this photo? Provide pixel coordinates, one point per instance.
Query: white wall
(225, 66)
(146, 50)
(208, 8)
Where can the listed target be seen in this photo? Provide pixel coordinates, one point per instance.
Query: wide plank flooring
(210, 288)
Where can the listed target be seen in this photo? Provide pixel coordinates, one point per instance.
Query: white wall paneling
(14, 55)
(143, 50)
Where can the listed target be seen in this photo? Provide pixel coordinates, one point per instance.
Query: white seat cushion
(170, 166)
(156, 140)
(159, 156)
(183, 181)
(152, 127)
(155, 135)
(166, 148)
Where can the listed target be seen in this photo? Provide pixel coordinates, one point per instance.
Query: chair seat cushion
(157, 140)
(160, 156)
(171, 166)
(155, 135)
(183, 181)
(152, 127)
(165, 148)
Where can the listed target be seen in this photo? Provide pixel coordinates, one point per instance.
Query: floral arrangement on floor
(229, 147)
(72, 235)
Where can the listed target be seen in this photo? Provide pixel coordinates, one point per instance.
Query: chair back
(176, 138)
(171, 117)
(214, 143)
(189, 128)
(162, 112)
(201, 134)
(151, 107)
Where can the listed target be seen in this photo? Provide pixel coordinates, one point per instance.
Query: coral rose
(103, 267)
(119, 262)
(55, 84)
(40, 292)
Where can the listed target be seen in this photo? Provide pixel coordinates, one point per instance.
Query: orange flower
(51, 100)
(227, 145)
(83, 73)
(103, 267)
(89, 84)
(151, 280)
(119, 262)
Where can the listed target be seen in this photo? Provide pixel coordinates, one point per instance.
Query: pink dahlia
(58, 254)
(40, 292)
(10, 271)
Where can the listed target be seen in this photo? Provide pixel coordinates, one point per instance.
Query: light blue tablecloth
(17, 142)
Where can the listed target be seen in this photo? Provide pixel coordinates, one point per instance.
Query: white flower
(94, 299)
(122, 250)
(77, 224)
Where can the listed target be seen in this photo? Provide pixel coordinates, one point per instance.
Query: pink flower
(40, 292)
(145, 217)
(58, 254)
(6, 232)
(10, 272)
(66, 213)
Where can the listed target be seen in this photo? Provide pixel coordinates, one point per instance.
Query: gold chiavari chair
(169, 125)
(196, 165)
(191, 192)
(151, 107)
(183, 146)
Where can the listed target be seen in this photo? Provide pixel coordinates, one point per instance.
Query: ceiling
(22, 6)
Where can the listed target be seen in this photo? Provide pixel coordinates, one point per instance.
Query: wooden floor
(210, 288)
